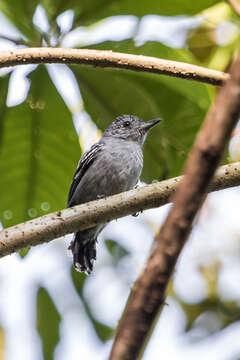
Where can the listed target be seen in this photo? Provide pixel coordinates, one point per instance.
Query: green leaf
(227, 312)
(95, 10)
(56, 7)
(78, 280)
(20, 14)
(103, 331)
(182, 104)
(117, 251)
(88, 12)
(39, 151)
(48, 320)
(4, 90)
(202, 41)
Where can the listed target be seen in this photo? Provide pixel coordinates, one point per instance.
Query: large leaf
(20, 13)
(56, 7)
(3, 90)
(103, 331)
(39, 151)
(48, 320)
(87, 12)
(181, 103)
(95, 10)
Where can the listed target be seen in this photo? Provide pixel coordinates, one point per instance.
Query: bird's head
(130, 127)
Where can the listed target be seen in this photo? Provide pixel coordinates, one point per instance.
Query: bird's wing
(86, 160)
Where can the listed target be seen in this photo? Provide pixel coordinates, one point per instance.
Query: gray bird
(112, 165)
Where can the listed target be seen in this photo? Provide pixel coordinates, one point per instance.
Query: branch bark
(106, 58)
(148, 294)
(51, 226)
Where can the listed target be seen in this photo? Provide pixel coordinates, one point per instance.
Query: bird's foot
(101, 196)
(137, 213)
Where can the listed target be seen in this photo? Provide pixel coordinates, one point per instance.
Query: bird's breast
(122, 165)
(117, 168)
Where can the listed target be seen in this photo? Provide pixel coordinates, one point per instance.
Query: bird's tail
(84, 253)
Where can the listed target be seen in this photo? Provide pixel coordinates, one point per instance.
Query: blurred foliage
(20, 13)
(103, 331)
(39, 147)
(97, 10)
(1, 344)
(117, 251)
(48, 320)
(212, 314)
(38, 153)
(215, 41)
(88, 12)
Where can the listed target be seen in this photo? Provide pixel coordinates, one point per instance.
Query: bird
(111, 166)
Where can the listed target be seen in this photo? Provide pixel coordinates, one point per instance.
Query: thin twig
(107, 58)
(51, 226)
(148, 294)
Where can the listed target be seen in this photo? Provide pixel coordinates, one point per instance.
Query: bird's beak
(149, 124)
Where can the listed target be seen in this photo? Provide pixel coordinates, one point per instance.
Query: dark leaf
(202, 41)
(95, 10)
(103, 331)
(48, 320)
(117, 251)
(39, 151)
(20, 13)
(197, 315)
(78, 280)
(56, 7)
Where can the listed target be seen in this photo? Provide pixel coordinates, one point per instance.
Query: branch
(51, 226)
(107, 58)
(148, 294)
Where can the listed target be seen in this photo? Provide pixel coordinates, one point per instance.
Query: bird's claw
(101, 196)
(136, 214)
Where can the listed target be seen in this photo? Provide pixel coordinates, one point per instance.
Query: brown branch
(235, 5)
(51, 226)
(106, 58)
(148, 294)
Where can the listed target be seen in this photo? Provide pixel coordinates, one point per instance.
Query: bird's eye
(126, 123)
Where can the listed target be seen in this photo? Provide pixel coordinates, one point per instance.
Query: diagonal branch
(110, 59)
(148, 294)
(51, 226)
